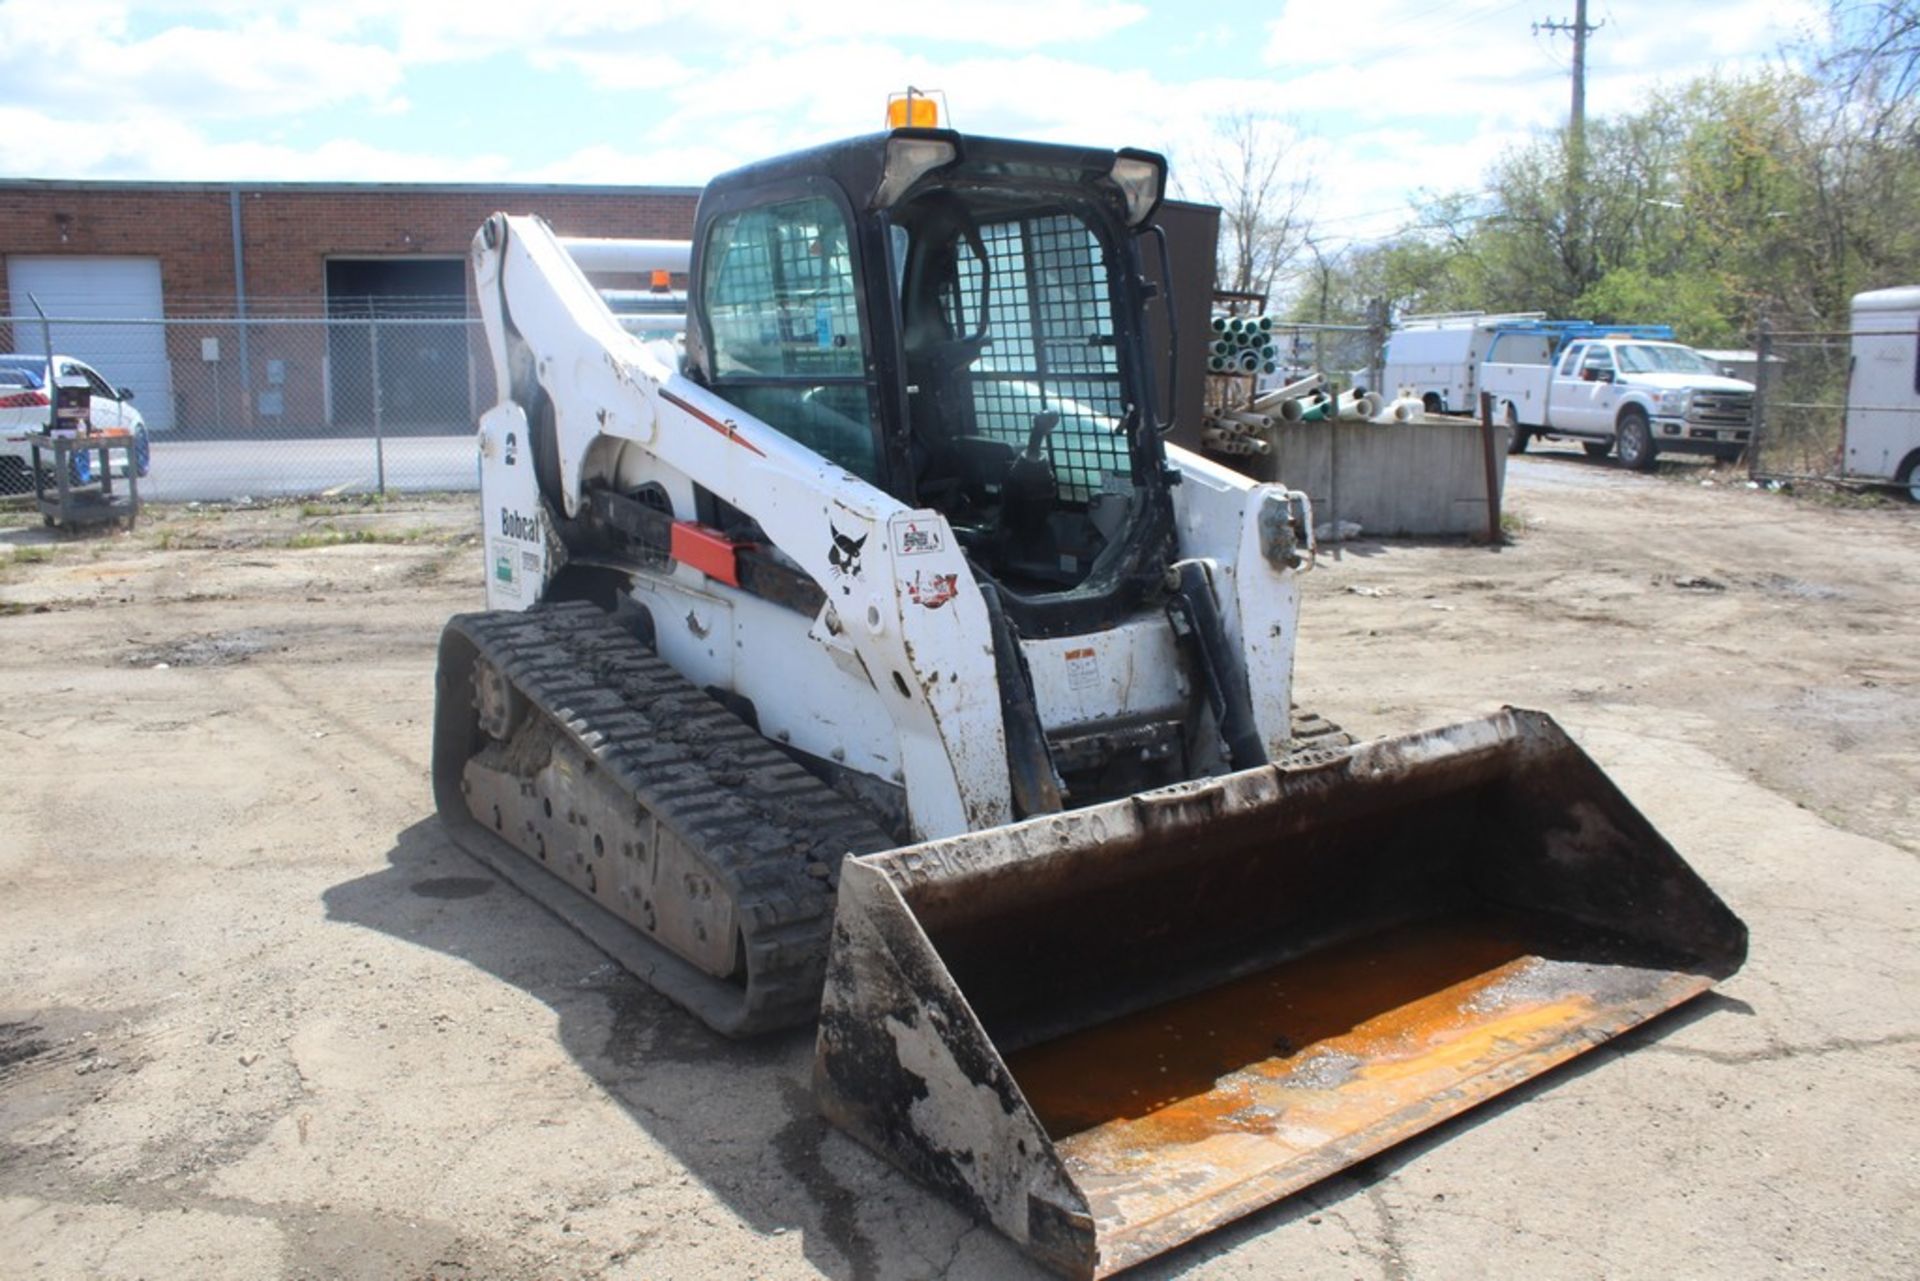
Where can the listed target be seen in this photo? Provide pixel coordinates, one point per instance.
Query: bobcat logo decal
(844, 555)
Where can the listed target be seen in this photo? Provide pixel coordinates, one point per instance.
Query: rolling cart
(67, 501)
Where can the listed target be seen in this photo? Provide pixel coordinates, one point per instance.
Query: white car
(24, 408)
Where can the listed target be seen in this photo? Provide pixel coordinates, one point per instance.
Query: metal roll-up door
(94, 302)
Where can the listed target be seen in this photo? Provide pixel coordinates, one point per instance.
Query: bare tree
(1875, 54)
(1263, 201)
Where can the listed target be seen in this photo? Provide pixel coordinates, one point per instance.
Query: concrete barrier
(1423, 478)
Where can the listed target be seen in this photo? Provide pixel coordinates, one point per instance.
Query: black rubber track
(772, 834)
(1315, 740)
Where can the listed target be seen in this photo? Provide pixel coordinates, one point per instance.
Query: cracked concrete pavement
(262, 1020)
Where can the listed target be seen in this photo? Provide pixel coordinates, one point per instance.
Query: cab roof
(857, 165)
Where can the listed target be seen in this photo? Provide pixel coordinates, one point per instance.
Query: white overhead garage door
(81, 294)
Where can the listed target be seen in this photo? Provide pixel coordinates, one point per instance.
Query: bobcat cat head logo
(844, 555)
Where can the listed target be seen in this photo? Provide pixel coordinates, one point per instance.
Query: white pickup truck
(1631, 396)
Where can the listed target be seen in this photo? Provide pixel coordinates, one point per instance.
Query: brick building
(207, 298)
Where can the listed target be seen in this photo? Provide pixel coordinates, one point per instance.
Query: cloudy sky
(1388, 96)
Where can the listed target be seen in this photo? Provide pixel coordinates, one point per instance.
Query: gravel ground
(260, 1019)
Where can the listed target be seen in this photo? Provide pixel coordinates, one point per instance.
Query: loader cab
(958, 321)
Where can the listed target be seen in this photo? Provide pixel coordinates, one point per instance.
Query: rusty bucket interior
(1112, 1030)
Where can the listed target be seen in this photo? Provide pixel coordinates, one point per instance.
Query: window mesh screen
(1050, 314)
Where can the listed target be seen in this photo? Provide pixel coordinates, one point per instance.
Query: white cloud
(697, 30)
(32, 142)
(616, 70)
(81, 62)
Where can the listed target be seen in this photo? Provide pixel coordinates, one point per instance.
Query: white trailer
(1883, 389)
(1436, 359)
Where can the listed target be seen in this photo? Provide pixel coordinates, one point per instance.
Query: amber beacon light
(916, 109)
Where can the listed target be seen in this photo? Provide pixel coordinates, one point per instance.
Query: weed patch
(330, 536)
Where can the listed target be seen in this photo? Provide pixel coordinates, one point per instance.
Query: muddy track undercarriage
(625, 800)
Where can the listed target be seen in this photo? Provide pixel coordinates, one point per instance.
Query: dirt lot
(260, 1019)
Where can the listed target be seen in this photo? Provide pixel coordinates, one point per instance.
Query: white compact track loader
(875, 660)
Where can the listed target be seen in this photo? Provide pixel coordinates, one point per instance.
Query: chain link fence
(1349, 355)
(380, 395)
(1839, 405)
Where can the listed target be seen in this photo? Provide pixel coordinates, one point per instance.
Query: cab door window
(780, 295)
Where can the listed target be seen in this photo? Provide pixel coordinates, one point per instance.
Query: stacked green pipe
(1242, 345)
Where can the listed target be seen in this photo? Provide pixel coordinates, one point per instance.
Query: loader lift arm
(623, 398)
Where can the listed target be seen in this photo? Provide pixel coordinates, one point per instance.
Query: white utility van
(1436, 358)
(1883, 389)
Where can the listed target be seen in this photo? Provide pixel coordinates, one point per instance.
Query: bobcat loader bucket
(1111, 1030)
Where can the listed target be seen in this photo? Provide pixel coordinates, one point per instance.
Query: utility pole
(1580, 29)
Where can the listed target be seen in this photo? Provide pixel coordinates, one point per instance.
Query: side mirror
(124, 393)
